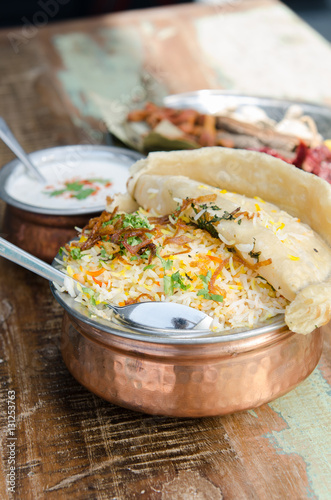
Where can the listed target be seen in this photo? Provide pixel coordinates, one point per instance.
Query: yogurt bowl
(41, 217)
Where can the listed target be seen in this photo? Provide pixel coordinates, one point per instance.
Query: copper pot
(207, 376)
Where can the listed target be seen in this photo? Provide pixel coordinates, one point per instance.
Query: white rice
(247, 298)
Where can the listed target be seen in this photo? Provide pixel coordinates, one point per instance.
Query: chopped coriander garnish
(254, 255)
(103, 254)
(172, 282)
(75, 253)
(206, 222)
(146, 254)
(205, 291)
(174, 215)
(136, 221)
(166, 264)
(74, 186)
(149, 267)
(80, 189)
(57, 192)
(83, 193)
(167, 285)
(133, 241)
(177, 281)
(91, 295)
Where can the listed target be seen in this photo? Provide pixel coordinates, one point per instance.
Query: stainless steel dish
(210, 374)
(213, 101)
(60, 157)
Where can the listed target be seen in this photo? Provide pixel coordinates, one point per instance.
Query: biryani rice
(202, 273)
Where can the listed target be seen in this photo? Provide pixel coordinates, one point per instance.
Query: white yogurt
(23, 187)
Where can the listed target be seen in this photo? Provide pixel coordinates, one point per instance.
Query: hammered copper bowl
(41, 231)
(210, 375)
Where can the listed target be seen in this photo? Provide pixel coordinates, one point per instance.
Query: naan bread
(300, 251)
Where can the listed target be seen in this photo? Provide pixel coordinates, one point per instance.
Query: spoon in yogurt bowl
(163, 318)
(8, 138)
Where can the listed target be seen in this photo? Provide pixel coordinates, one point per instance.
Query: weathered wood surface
(68, 442)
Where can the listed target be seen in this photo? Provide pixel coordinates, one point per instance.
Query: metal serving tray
(213, 101)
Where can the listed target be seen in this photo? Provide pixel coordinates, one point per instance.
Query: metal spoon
(8, 138)
(157, 316)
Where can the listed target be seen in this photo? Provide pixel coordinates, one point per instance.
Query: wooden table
(68, 442)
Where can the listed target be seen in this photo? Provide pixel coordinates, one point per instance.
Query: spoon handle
(25, 259)
(8, 138)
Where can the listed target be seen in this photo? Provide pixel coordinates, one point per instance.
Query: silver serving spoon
(157, 316)
(8, 138)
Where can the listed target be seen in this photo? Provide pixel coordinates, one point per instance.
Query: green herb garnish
(146, 254)
(111, 221)
(91, 294)
(57, 192)
(136, 221)
(254, 255)
(206, 222)
(79, 189)
(83, 193)
(103, 254)
(151, 266)
(172, 282)
(167, 285)
(133, 241)
(166, 264)
(75, 253)
(74, 186)
(207, 225)
(205, 291)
